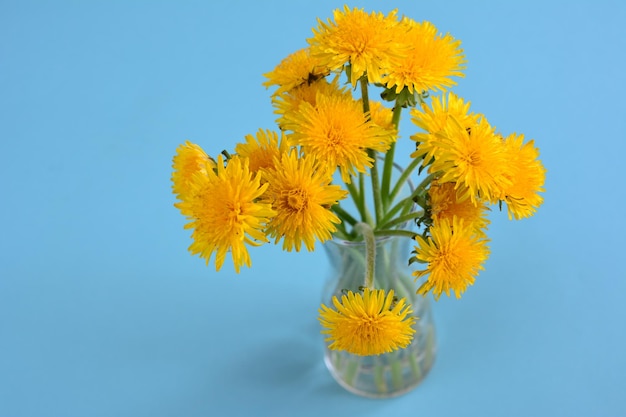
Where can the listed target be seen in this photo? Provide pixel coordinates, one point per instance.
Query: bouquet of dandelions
(281, 185)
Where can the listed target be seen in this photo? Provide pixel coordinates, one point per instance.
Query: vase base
(384, 376)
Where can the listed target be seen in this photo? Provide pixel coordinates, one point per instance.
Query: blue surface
(104, 313)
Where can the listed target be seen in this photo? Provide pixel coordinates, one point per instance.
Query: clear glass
(390, 374)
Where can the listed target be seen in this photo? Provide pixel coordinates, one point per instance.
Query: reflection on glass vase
(390, 374)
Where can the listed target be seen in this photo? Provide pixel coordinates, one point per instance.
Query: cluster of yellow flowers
(280, 185)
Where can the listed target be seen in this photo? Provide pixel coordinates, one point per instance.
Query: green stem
(389, 159)
(395, 119)
(379, 376)
(404, 177)
(405, 204)
(408, 201)
(415, 367)
(378, 205)
(396, 370)
(387, 173)
(351, 370)
(365, 212)
(365, 97)
(344, 215)
(402, 219)
(370, 252)
(394, 232)
(425, 183)
(358, 199)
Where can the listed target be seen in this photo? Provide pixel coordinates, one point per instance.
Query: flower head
(473, 158)
(295, 70)
(454, 254)
(527, 176)
(446, 204)
(301, 193)
(368, 324)
(337, 132)
(369, 42)
(262, 150)
(432, 59)
(189, 160)
(226, 214)
(287, 104)
(434, 120)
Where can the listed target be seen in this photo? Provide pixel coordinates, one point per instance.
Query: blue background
(104, 313)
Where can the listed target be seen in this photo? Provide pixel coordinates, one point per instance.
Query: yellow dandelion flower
(295, 70)
(288, 103)
(226, 214)
(527, 176)
(445, 204)
(454, 253)
(337, 132)
(368, 324)
(474, 158)
(189, 160)
(434, 120)
(432, 59)
(262, 149)
(369, 42)
(301, 193)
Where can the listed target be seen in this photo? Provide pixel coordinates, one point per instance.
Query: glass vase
(390, 374)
